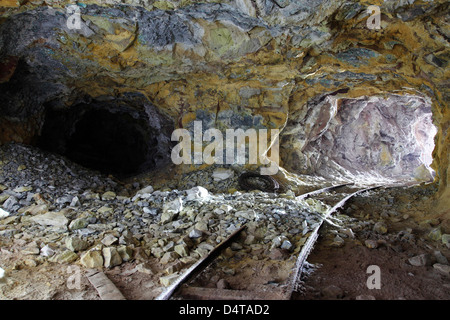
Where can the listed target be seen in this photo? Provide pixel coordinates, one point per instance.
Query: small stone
(235, 246)
(446, 240)
(4, 197)
(420, 260)
(125, 252)
(48, 250)
(151, 211)
(332, 292)
(201, 226)
(75, 202)
(145, 191)
(56, 219)
(348, 232)
(182, 250)
(36, 209)
(196, 193)
(22, 189)
(109, 240)
(157, 252)
(66, 256)
(171, 210)
(79, 223)
(228, 253)
(380, 227)
(105, 210)
(175, 267)
(3, 213)
(108, 195)
(229, 271)
(21, 167)
(2, 275)
(145, 268)
(32, 249)
(168, 280)
(111, 257)
(169, 246)
(195, 234)
(371, 244)
(440, 258)
(287, 245)
(76, 244)
(127, 238)
(10, 203)
(140, 254)
(222, 174)
(169, 257)
(435, 234)
(442, 268)
(92, 259)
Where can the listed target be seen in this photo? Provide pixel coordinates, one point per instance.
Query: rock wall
(268, 63)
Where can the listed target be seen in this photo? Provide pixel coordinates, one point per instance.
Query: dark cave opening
(116, 142)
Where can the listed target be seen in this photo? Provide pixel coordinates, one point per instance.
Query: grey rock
(446, 240)
(76, 244)
(111, 257)
(287, 245)
(3, 213)
(9, 204)
(440, 258)
(182, 250)
(435, 234)
(67, 256)
(109, 240)
(380, 227)
(371, 244)
(79, 223)
(420, 260)
(145, 268)
(56, 219)
(125, 252)
(48, 250)
(92, 259)
(442, 268)
(195, 233)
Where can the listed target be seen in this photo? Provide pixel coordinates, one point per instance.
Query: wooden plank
(197, 293)
(105, 288)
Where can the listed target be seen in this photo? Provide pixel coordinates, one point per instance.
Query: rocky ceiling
(348, 99)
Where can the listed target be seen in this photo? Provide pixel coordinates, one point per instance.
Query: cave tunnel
(373, 139)
(117, 142)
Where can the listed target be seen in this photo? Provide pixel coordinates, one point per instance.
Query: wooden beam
(105, 288)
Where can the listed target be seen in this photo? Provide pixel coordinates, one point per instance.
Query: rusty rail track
(180, 289)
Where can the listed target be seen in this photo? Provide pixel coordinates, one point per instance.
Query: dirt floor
(342, 273)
